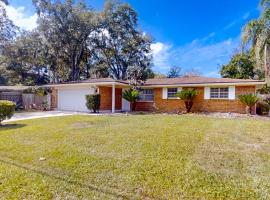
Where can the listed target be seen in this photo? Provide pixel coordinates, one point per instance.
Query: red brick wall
(106, 98)
(200, 104)
(145, 106)
(54, 98)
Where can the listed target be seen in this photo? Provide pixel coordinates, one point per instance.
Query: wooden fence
(27, 101)
(12, 96)
(33, 101)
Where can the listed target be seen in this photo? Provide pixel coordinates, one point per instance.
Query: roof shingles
(195, 80)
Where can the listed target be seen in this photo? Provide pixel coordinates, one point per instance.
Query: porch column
(113, 98)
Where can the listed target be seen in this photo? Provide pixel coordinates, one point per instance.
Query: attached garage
(72, 98)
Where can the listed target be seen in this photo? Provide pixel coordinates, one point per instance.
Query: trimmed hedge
(7, 110)
(93, 102)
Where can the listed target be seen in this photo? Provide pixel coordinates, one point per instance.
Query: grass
(135, 157)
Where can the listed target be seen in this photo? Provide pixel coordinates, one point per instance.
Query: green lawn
(137, 157)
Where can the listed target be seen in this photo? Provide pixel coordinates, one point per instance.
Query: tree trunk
(248, 110)
(133, 106)
(188, 105)
(266, 65)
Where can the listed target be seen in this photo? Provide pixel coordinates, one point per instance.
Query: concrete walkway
(35, 115)
(44, 114)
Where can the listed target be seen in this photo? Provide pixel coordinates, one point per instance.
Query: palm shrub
(249, 100)
(7, 110)
(131, 95)
(93, 102)
(188, 96)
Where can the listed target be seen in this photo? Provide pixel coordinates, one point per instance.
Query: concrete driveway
(35, 115)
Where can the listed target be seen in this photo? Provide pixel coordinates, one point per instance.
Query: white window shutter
(179, 89)
(232, 92)
(164, 93)
(206, 92)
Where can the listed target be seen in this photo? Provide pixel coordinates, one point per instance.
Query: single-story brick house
(215, 94)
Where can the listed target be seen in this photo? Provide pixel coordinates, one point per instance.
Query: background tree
(158, 75)
(119, 45)
(7, 34)
(174, 72)
(65, 27)
(4, 1)
(257, 34)
(73, 42)
(25, 61)
(192, 72)
(241, 66)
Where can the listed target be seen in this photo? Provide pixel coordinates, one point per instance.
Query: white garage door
(73, 99)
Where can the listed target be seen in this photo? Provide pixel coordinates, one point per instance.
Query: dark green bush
(93, 102)
(7, 109)
(262, 108)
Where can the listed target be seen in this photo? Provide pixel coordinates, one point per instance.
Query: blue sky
(200, 35)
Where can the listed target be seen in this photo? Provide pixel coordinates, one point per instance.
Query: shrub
(249, 100)
(93, 102)
(131, 95)
(188, 96)
(267, 100)
(7, 109)
(262, 108)
(43, 91)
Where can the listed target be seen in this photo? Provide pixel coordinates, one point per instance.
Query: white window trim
(178, 90)
(219, 93)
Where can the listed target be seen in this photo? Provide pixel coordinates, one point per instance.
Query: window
(219, 93)
(146, 95)
(172, 92)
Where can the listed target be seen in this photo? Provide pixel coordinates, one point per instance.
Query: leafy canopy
(74, 42)
(174, 72)
(118, 46)
(255, 35)
(240, 66)
(187, 94)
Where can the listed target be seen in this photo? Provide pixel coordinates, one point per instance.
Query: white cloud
(244, 17)
(20, 19)
(161, 54)
(209, 36)
(206, 58)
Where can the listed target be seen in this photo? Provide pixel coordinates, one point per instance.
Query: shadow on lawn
(77, 183)
(11, 126)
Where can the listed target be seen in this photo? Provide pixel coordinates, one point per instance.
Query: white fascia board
(206, 84)
(87, 84)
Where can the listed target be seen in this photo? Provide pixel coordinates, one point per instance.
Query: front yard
(138, 157)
